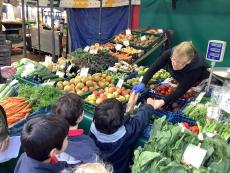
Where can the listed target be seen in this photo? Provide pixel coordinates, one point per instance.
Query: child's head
(69, 107)
(44, 137)
(108, 116)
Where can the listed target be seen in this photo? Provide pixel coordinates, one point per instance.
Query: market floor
(30, 55)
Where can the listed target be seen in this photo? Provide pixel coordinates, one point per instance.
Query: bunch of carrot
(16, 108)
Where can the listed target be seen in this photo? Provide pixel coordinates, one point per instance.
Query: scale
(215, 53)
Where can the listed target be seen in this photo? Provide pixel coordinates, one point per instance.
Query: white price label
(60, 74)
(126, 43)
(86, 49)
(160, 30)
(143, 38)
(118, 47)
(91, 51)
(209, 134)
(48, 59)
(95, 51)
(225, 103)
(193, 156)
(140, 79)
(49, 83)
(120, 83)
(128, 32)
(213, 113)
(69, 68)
(113, 69)
(84, 72)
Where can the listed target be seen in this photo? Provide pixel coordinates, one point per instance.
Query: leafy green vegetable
(39, 97)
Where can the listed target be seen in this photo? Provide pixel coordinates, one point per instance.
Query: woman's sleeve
(160, 62)
(3, 125)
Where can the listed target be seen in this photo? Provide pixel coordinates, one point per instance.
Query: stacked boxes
(5, 51)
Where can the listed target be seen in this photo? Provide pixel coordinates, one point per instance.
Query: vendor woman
(184, 64)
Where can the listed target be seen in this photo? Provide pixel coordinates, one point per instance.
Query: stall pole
(100, 22)
(130, 14)
(39, 34)
(24, 29)
(54, 59)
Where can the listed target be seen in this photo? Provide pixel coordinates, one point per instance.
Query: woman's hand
(4, 144)
(156, 104)
(8, 71)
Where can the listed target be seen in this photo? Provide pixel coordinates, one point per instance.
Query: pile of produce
(164, 150)
(127, 68)
(111, 91)
(65, 65)
(8, 89)
(95, 63)
(80, 85)
(131, 50)
(16, 109)
(115, 76)
(32, 70)
(122, 56)
(153, 31)
(122, 37)
(167, 90)
(39, 97)
(160, 75)
(138, 42)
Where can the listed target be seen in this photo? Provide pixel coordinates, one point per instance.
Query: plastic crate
(16, 128)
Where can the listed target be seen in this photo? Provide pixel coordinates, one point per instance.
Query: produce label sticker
(112, 69)
(84, 72)
(143, 38)
(60, 74)
(126, 43)
(48, 59)
(225, 103)
(128, 32)
(120, 83)
(118, 47)
(193, 156)
(213, 113)
(86, 49)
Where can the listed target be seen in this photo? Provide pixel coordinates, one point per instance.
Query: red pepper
(186, 125)
(194, 129)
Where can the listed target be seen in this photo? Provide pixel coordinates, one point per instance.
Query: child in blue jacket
(42, 139)
(81, 146)
(116, 134)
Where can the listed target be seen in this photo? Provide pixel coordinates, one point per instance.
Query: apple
(111, 90)
(102, 95)
(93, 96)
(110, 96)
(99, 100)
(121, 98)
(126, 97)
(106, 89)
(116, 94)
(101, 91)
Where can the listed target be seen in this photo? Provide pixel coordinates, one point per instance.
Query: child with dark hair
(42, 139)
(80, 147)
(116, 134)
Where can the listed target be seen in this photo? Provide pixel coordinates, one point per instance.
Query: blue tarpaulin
(84, 25)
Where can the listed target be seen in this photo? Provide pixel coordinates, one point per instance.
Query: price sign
(95, 51)
(60, 74)
(215, 50)
(69, 68)
(48, 59)
(143, 38)
(213, 113)
(84, 72)
(128, 32)
(120, 83)
(225, 103)
(126, 43)
(91, 51)
(118, 47)
(86, 49)
(193, 156)
(113, 69)
(140, 79)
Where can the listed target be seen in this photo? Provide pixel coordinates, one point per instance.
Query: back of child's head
(69, 107)
(43, 134)
(108, 116)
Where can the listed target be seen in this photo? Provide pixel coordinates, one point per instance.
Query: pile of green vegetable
(165, 148)
(115, 76)
(96, 63)
(8, 89)
(39, 97)
(27, 68)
